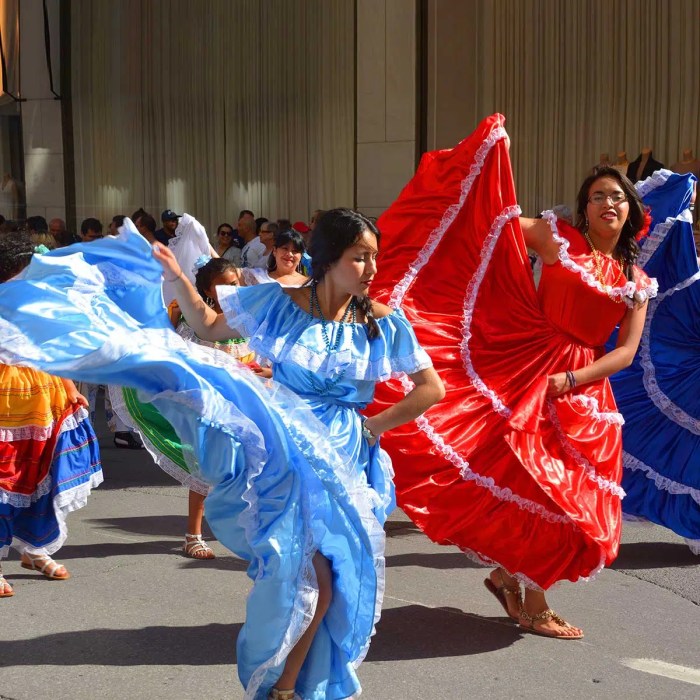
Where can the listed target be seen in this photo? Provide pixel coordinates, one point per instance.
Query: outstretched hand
(171, 268)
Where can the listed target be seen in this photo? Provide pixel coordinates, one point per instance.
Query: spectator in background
(225, 247)
(169, 219)
(268, 233)
(253, 250)
(259, 222)
(284, 225)
(90, 230)
(305, 232)
(116, 223)
(57, 228)
(146, 226)
(37, 224)
(245, 215)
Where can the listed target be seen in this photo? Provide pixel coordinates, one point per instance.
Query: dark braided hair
(16, 250)
(335, 232)
(626, 250)
(208, 273)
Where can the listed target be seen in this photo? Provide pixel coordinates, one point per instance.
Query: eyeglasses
(615, 198)
(226, 233)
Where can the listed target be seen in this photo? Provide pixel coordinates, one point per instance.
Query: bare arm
(627, 343)
(205, 322)
(74, 396)
(538, 237)
(427, 391)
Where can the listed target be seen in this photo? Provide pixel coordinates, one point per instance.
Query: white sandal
(6, 590)
(45, 565)
(194, 544)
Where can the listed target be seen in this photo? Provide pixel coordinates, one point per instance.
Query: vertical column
(386, 101)
(41, 111)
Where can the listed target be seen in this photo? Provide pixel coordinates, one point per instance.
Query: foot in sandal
(196, 548)
(6, 590)
(45, 565)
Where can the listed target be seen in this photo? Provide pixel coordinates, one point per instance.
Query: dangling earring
(585, 224)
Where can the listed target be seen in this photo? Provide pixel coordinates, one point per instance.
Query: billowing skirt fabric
(49, 460)
(657, 394)
(281, 487)
(497, 469)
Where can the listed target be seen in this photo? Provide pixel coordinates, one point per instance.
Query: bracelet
(175, 279)
(570, 378)
(367, 434)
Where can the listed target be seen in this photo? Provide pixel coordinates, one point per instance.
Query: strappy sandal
(500, 593)
(6, 590)
(527, 623)
(194, 545)
(277, 694)
(45, 565)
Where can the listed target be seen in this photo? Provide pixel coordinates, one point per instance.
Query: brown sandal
(500, 593)
(527, 622)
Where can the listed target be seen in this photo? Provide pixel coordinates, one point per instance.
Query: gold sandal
(527, 622)
(500, 592)
(277, 694)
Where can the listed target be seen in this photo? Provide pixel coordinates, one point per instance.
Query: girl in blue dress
(657, 394)
(300, 486)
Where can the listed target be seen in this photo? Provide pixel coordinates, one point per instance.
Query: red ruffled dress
(510, 476)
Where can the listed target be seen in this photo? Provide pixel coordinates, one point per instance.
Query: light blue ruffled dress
(289, 469)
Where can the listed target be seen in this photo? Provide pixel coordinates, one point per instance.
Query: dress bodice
(573, 299)
(279, 330)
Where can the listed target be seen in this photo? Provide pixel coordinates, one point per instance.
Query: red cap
(300, 227)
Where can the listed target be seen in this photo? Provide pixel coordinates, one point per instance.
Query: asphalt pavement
(138, 620)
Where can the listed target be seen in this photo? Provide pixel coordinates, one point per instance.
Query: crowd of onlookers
(247, 244)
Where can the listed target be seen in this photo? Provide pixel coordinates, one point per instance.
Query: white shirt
(253, 252)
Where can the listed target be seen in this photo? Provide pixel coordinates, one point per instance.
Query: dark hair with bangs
(283, 238)
(626, 250)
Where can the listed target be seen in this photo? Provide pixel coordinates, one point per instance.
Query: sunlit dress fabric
(657, 394)
(499, 469)
(289, 476)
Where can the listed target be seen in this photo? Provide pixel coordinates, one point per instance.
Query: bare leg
(534, 603)
(296, 656)
(195, 547)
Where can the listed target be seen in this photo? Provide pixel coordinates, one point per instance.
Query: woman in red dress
(520, 465)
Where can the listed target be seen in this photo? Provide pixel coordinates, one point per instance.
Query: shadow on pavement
(206, 645)
(170, 525)
(448, 560)
(654, 555)
(411, 632)
(416, 632)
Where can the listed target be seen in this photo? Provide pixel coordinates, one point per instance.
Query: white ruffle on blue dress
(289, 470)
(657, 394)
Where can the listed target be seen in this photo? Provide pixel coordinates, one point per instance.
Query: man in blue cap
(169, 220)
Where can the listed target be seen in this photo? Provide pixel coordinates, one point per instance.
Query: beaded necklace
(331, 347)
(598, 262)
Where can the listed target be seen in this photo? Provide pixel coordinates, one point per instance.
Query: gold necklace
(598, 261)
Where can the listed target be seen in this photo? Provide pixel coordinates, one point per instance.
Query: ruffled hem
(63, 504)
(591, 403)
(665, 404)
(283, 346)
(656, 179)
(172, 469)
(661, 482)
(400, 290)
(628, 293)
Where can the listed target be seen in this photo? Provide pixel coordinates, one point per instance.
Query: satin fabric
(497, 468)
(657, 394)
(283, 484)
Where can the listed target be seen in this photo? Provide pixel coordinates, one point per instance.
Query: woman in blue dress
(657, 394)
(300, 486)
